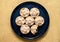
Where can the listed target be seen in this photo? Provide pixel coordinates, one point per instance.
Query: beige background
(7, 34)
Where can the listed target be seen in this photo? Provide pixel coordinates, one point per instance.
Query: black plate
(29, 5)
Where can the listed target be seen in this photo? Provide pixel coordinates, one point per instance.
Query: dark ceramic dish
(41, 30)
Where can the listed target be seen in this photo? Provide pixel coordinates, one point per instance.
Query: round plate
(41, 30)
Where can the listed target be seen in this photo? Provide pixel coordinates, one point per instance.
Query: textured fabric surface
(6, 32)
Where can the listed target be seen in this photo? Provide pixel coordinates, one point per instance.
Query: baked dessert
(24, 12)
(39, 20)
(29, 20)
(20, 20)
(34, 29)
(34, 12)
(25, 29)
